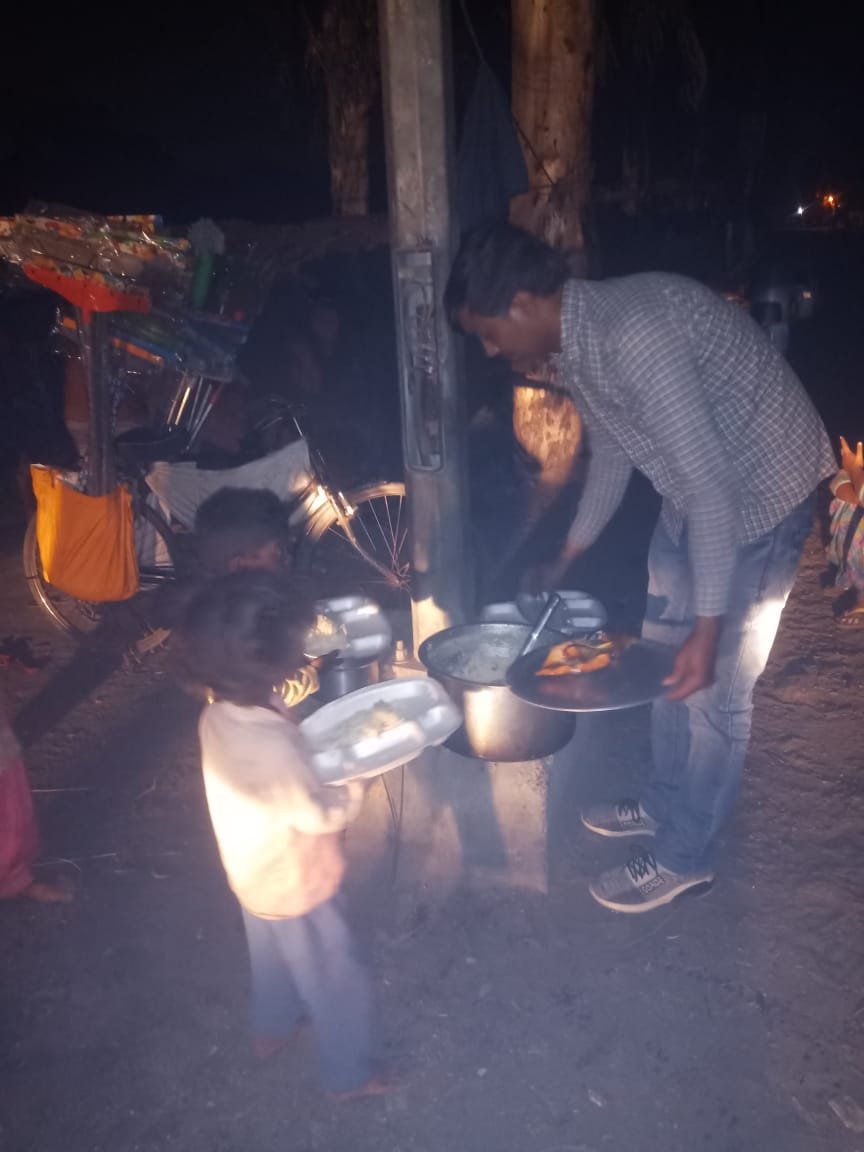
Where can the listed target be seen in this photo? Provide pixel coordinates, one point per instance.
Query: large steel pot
(344, 676)
(471, 663)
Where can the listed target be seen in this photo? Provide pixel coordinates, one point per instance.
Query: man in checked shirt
(672, 380)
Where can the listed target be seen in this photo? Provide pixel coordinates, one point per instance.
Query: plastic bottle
(405, 664)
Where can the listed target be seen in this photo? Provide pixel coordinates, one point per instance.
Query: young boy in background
(237, 529)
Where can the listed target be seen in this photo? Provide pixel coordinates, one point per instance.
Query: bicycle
(353, 541)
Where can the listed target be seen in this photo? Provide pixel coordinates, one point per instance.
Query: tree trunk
(551, 423)
(348, 136)
(553, 94)
(346, 50)
(553, 98)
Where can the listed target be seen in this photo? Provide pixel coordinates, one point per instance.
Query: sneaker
(626, 818)
(642, 884)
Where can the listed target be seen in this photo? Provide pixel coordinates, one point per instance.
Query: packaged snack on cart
(125, 248)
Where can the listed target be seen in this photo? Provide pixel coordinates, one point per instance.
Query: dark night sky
(188, 116)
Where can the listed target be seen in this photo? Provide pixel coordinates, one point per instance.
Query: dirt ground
(515, 1023)
(527, 1024)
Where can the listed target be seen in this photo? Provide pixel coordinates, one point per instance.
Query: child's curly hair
(242, 635)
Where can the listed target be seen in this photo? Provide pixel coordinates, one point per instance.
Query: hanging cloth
(491, 169)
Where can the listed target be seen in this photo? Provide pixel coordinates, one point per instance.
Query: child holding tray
(278, 830)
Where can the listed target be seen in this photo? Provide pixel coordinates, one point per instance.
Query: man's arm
(609, 472)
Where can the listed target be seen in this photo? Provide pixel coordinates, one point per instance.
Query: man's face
(521, 336)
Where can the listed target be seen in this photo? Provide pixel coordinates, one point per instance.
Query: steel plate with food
(601, 674)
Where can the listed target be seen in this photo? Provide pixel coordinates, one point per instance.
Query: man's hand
(547, 577)
(694, 664)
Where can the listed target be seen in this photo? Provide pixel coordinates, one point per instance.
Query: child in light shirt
(278, 830)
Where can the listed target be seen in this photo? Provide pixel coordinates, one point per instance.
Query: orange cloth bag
(86, 543)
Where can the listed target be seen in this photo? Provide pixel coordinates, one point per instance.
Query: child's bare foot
(44, 893)
(377, 1086)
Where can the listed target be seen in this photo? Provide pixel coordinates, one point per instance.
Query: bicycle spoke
(392, 541)
(391, 555)
(398, 522)
(389, 547)
(369, 551)
(394, 532)
(362, 523)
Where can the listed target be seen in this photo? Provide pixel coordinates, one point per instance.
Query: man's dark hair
(241, 636)
(237, 522)
(495, 262)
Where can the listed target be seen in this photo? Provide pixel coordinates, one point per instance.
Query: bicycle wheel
(75, 617)
(130, 619)
(380, 567)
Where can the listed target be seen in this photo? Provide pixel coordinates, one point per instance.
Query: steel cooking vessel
(343, 676)
(498, 726)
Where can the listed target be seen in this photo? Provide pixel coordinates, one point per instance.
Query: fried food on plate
(574, 659)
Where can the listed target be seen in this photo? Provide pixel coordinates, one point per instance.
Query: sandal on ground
(853, 618)
(847, 601)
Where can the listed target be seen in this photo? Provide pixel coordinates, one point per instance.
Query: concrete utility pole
(482, 824)
(415, 53)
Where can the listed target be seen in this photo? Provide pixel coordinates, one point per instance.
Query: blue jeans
(307, 967)
(699, 744)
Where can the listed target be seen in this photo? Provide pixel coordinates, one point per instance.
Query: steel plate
(636, 678)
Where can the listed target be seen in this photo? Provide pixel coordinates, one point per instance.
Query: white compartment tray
(361, 631)
(427, 717)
